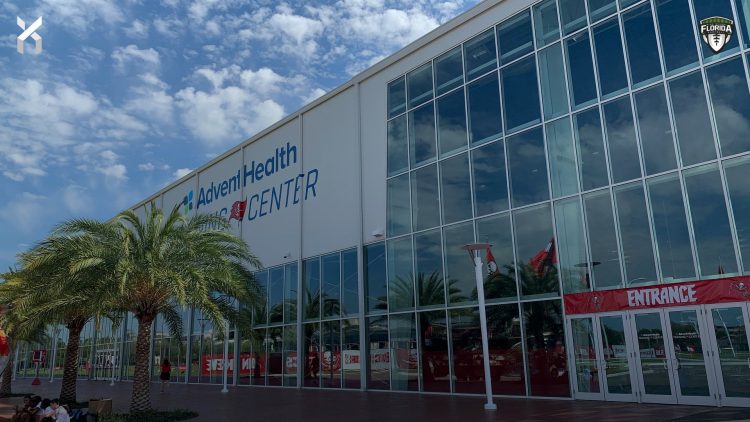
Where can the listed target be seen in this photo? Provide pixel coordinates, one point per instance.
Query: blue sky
(128, 96)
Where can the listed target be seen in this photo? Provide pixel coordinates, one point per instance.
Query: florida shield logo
(716, 32)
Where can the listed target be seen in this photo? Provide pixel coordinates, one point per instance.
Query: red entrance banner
(702, 292)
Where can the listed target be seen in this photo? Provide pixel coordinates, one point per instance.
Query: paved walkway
(281, 405)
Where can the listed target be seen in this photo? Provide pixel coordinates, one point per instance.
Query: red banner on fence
(703, 292)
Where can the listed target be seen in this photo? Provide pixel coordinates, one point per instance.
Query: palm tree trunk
(70, 368)
(5, 384)
(141, 398)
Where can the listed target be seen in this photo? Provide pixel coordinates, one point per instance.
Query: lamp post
(225, 365)
(56, 332)
(474, 250)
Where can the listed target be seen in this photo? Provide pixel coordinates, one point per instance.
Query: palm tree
(53, 287)
(162, 263)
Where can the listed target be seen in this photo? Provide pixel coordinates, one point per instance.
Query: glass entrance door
(728, 327)
(616, 358)
(586, 356)
(672, 357)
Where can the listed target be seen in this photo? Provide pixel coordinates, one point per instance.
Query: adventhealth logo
(187, 203)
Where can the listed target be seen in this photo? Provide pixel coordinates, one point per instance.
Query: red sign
(702, 292)
(39, 355)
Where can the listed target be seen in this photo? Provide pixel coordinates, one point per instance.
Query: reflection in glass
(610, 61)
(670, 227)
(545, 349)
(614, 343)
(528, 168)
(592, 157)
(397, 97)
(311, 285)
(743, 15)
(640, 40)
(584, 353)
(506, 353)
(274, 365)
(709, 8)
(652, 350)
(708, 212)
(424, 196)
(496, 231)
(739, 193)
(398, 152)
(378, 353)
(572, 15)
(731, 101)
(521, 109)
(289, 358)
(375, 278)
(429, 267)
(580, 70)
(692, 119)
(449, 71)
(572, 262)
(422, 134)
(331, 265)
(276, 296)
(600, 231)
(731, 338)
(330, 368)
(399, 210)
(400, 279)
(433, 343)
(290, 293)
(311, 352)
(490, 183)
(546, 25)
(456, 188)
(419, 85)
(404, 358)
(260, 314)
(552, 78)
(677, 35)
(350, 353)
(635, 234)
(466, 336)
(688, 348)
(656, 132)
(480, 54)
(536, 252)
(601, 8)
(562, 158)
(621, 140)
(350, 299)
(459, 269)
(514, 38)
(451, 115)
(484, 109)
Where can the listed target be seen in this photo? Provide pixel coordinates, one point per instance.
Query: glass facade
(596, 144)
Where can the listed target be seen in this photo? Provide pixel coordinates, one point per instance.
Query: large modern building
(601, 146)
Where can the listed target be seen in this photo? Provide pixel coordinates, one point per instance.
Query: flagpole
(474, 250)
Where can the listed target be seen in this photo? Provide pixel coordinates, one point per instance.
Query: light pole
(55, 333)
(225, 364)
(474, 250)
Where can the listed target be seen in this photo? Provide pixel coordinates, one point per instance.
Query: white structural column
(225, 365)
(474, 251)
(55, 333)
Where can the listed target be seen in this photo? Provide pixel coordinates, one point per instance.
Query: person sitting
(29, 410)
(47, 413)
(61, 414)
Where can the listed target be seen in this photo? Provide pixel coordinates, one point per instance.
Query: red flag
(238, 210)
(545, 257)
(491, 264)
(4, 347)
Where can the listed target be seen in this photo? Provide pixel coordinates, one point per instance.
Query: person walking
(166, 373)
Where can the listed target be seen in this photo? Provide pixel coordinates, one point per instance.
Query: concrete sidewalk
(282, 405)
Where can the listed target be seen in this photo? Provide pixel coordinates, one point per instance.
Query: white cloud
(123, 56)
(169, 27)
(77, 199)
(180, 173)
(25, 211)
(146, 167)
(138, 29)
(79, 15)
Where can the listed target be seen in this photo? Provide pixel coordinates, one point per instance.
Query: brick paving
(282, 405)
